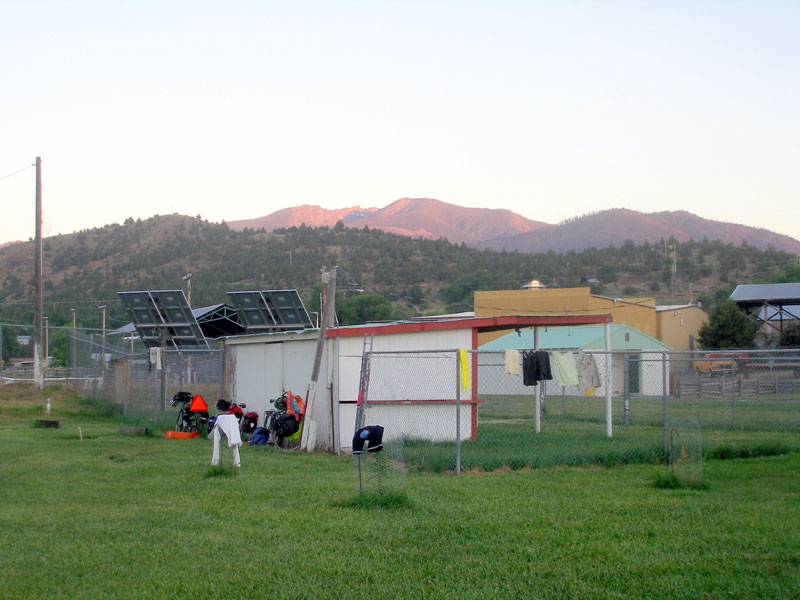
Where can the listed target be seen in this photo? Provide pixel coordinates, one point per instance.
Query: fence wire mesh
(742, 401)
(122, 373)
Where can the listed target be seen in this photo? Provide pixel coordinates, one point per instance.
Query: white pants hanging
(228, 427)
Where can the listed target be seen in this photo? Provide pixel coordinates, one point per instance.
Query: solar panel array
(263, 311)
(166, 312)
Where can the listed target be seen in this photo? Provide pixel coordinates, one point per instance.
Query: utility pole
(188, 279)
(325, 276)
(37, 276)
(46, 341)
(674, 274)
(308, 436)
(72, 310)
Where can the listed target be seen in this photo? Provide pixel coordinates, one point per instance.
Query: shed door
(273, 371)
(250, 373)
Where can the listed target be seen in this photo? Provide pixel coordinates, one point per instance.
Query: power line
(15, 172)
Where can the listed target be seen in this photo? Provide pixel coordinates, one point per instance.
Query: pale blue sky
(236, 109)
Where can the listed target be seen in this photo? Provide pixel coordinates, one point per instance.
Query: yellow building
(676, 326)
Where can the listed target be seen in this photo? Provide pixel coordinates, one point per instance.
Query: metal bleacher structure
(771, 305)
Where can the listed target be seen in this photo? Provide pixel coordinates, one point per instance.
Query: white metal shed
(260, 367)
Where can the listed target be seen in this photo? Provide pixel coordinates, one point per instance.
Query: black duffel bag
(285, 425)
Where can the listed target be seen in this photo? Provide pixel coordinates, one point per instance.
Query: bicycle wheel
(179, 422)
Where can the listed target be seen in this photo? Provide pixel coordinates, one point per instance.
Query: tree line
(381, 275)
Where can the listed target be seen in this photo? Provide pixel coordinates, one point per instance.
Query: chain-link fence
(123, 372)
(477, 414)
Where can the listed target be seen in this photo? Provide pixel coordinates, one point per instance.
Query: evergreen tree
(727, 327)
(790, 336)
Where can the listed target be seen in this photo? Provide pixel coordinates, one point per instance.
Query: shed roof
(586, 338)
(480, 324)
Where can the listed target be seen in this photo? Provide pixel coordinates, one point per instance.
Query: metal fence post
(181, 367)
(608, 383)
(458, 414)
(733, 398)
(626, 394)
(155, 393)
(664, 397)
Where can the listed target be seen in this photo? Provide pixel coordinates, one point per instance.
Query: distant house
(533, 284)
(19, 364)
(675, 326)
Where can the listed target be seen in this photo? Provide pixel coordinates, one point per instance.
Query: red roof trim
(480, 324)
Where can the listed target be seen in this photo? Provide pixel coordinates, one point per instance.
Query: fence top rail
(480, 351)
(751, 352)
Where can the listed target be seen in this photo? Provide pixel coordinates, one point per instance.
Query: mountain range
(501, 229)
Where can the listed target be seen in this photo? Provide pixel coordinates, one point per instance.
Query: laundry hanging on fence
(512, 362)
(464, 366)
(588, 375)
(535, 367)
(564, 366)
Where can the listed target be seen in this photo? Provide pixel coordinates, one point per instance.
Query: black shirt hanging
(535, 367)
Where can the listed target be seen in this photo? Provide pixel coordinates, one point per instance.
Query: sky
(552, 109)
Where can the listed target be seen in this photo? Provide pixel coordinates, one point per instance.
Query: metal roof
(771, 293)
(666, 307)
(479, 324)
(590, 337)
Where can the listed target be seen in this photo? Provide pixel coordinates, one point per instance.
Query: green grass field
(139, 517)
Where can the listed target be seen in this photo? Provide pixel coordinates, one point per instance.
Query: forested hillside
(85, 269)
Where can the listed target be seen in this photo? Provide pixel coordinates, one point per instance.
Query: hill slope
(613, 227)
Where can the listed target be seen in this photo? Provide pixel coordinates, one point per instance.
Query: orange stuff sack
(180, 435)
(295, 406)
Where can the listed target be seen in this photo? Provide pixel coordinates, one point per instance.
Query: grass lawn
(573, 432)
(125, 517)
